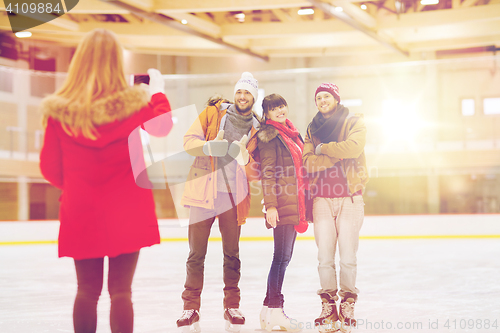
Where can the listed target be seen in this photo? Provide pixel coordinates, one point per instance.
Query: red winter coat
(103, 212)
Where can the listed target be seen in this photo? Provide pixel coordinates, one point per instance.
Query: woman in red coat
(86, 154)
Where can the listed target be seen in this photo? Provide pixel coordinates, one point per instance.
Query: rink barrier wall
(396, 227)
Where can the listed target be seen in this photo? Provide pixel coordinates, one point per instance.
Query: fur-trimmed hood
(267, 132)
(117, 106)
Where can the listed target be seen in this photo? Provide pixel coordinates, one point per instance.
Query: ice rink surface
(406, 285)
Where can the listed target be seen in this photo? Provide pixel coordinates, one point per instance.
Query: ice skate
(346, 315)
(262, 317)
(189, 322)
(328, 319)
(234, 319)
(277, 317)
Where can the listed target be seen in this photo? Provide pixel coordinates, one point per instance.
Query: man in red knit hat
(335, 160)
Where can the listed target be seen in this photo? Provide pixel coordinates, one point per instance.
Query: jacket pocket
(199, 185)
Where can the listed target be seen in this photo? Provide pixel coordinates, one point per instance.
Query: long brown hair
(95, 71)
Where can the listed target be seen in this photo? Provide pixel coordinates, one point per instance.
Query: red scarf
(290, 135)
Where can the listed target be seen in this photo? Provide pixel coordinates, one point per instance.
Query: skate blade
(234, 328)
(329, 328)
(194, 328)
(346, 329)
(281, 329)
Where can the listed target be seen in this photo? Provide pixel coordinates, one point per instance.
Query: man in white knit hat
(217, 186)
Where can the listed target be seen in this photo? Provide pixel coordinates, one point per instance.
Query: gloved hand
(216, 147)
(318, 149)
(156, 82)
(238, 151)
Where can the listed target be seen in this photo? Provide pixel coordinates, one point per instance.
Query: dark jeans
(284, 240)
(198, 234)
(89, 274)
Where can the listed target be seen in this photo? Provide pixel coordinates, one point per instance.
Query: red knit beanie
(331, 88)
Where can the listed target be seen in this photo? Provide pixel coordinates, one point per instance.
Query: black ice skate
(346, 314)
(189, 322)
(234, 319)
(328, 319)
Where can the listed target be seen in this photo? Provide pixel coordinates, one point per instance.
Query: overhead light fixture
(305, 11)
(364, 7)
(429, 2)
(23, 34)
(240, 17)
(184, 22)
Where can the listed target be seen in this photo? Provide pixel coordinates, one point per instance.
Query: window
(491, 106)
(468, 107)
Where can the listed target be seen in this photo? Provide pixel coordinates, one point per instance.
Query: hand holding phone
(156, 82)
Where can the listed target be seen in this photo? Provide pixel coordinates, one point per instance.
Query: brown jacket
(279, 181)
(349, 150)
(201, 185)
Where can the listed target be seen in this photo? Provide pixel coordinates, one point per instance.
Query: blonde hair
(95, 71)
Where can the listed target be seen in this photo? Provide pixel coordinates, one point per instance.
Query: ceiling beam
(281, 15)
(449, 31)
(142, 4)
(468, 3)
(167, 21)
(283, 29)
(144, 29)
(194, 6)
(356, 13)
(96, 7)
(455, 4)
(329, 10)
(441, 17)
(187, 6)
(195, 22)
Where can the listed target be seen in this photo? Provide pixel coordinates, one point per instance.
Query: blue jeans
(284, 240)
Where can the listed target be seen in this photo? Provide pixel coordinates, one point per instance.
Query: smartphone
(140, 78)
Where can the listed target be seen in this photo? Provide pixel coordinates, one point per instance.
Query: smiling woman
(275, 108)
(283, 184)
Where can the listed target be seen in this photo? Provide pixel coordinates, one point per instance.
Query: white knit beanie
(247, 82)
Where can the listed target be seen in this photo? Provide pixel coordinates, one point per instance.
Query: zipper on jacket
(295, 171)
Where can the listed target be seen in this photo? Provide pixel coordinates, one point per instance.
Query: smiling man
(335, 160)
(217, 186)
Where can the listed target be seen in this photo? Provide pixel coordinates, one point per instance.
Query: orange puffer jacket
(201, 186)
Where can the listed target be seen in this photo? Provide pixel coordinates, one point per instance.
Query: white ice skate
(346, 315)
(234, 319)
(189, 322)
(262, 317)
(277, 317)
